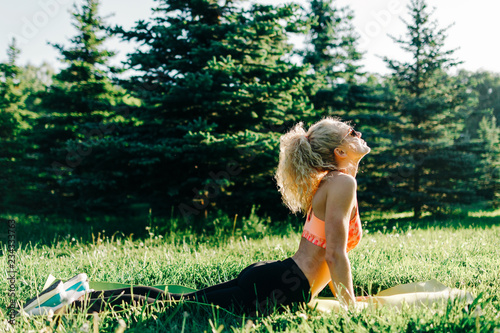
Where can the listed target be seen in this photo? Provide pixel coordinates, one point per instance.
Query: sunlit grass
(481, 213)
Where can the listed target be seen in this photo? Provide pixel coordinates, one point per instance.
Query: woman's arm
(340, 201)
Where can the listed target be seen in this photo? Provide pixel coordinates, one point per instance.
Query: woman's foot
(57, 294)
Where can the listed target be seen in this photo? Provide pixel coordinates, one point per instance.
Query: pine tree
(11, 97)
(84, 86)
(331, 50)
(484, 98)
(35, 80)
(489, 171)
(13, 119)
(429, 172)
(347, 92)
(486, 86)
(332, 42)
(481, 131)
(216, 92)
(76, 112)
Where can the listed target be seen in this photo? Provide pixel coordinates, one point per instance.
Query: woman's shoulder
(336, 187)
(339, 180)
(339, 185)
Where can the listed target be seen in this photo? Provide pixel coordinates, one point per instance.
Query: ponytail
(304, 159)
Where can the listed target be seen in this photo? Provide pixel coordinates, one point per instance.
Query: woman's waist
(311, 261)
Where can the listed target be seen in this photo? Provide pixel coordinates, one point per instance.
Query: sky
(475, 30)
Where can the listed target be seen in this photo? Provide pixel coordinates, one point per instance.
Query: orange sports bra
(314, 231)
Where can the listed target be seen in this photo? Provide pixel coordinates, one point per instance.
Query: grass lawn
(462, 253)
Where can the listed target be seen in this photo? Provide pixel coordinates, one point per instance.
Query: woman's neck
(350, 168)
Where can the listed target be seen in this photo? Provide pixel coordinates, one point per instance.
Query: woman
(316, 175)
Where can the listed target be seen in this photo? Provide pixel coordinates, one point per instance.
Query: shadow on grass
(184, 317)
(198, 317)
(51, 230)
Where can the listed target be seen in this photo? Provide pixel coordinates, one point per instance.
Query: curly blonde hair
(305, 157)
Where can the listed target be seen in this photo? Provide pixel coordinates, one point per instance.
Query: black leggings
(259, 289)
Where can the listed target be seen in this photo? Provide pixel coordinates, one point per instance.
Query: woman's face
(352, 143)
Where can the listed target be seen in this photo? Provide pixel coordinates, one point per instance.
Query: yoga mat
(412, 294)
(96, 285)
(173, 288)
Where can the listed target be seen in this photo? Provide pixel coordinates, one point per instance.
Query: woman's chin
(365, 149)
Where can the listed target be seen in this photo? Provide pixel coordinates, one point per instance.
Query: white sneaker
(57, 294)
